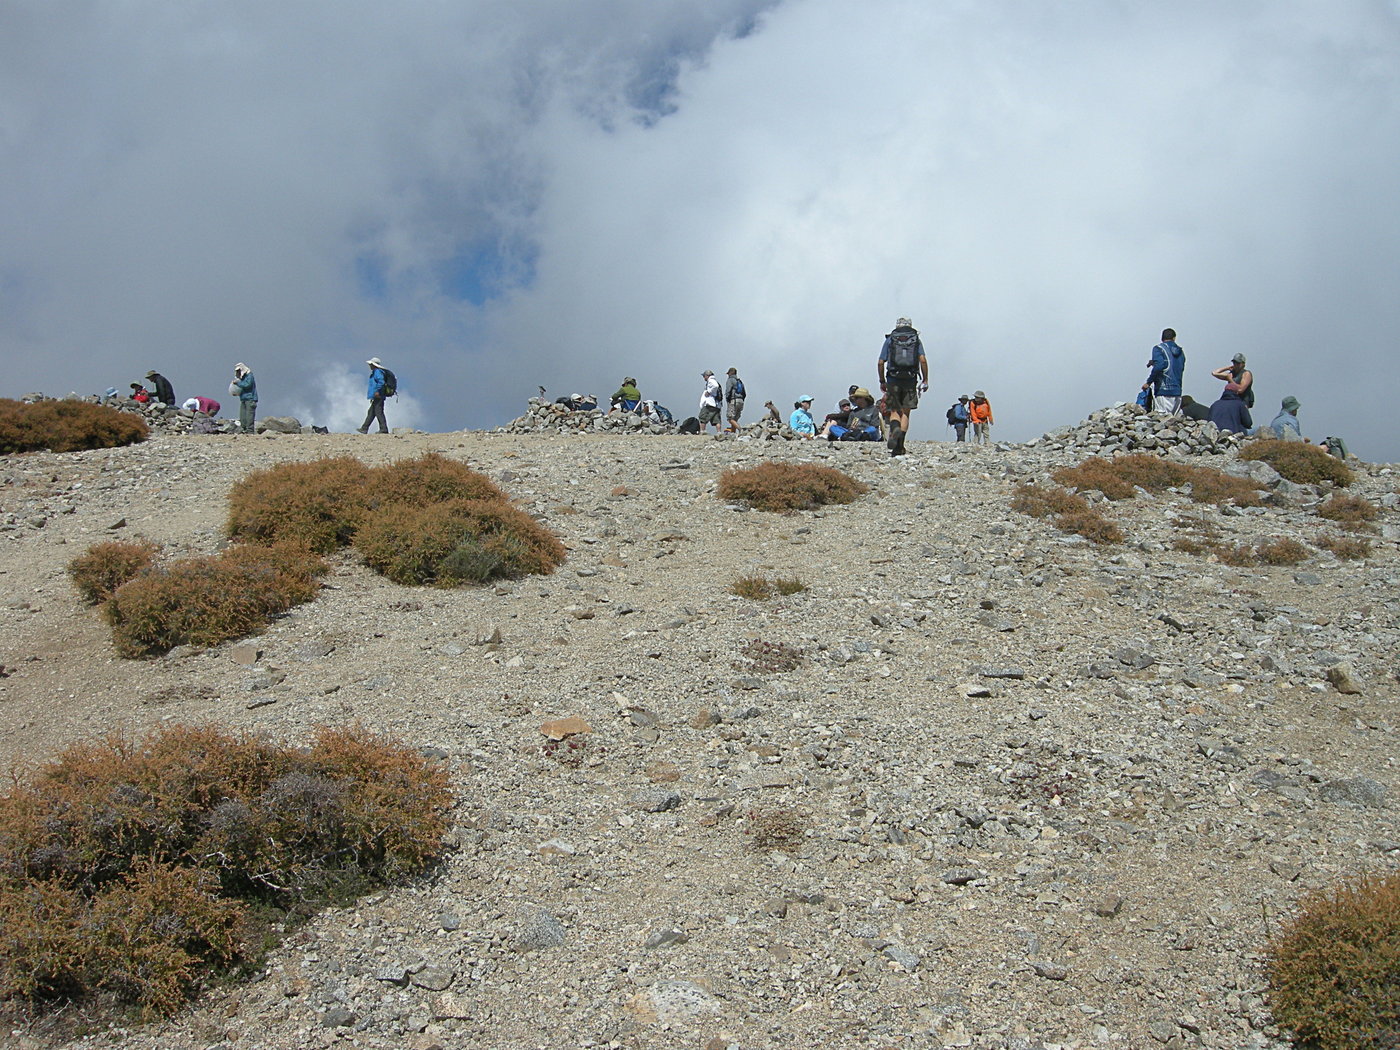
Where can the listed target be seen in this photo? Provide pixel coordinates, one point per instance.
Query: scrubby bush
(1120, 478)
(460, 541)
(317, 504)
(66, 426)
(786, 487)
(431, 478)
(1348, 548)
(1281, 551)
(106, 566)
(1071, 512)
(1350, 512)
(761, 588)
(205, 601)
(1299, 462)
(125, 867)
(1334, 969)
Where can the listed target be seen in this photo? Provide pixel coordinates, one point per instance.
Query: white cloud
(338, 403)
(496, 195)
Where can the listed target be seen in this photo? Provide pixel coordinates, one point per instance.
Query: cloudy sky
(493, 196)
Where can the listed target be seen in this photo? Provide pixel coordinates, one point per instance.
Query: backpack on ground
(662, 413)
(1336, 446)
(391, 385)
(904, 353)
(690, 425)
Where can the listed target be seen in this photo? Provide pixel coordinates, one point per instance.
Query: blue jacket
(1230, 413)
(1168, 365)
(247, 387)
(376, 383)
(802, 422)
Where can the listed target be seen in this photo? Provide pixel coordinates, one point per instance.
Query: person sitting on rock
(801, 422)
(1285, 425)
(140, 394)
(1229, 413)
(862, 422)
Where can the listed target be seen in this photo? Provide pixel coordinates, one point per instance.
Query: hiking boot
(364, 430)
(895, 440)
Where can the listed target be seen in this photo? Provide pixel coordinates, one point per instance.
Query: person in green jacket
(628, 397)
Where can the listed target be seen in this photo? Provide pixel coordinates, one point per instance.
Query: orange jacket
(979, 413)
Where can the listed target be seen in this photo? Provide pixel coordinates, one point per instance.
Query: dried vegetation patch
(1299, 462)
(66, 426)
(786, 487)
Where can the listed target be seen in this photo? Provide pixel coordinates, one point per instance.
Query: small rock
(665, 937)
(1343, 679)
(562, 728)
(538, 929)
(1357, 791)
(655, 800)
(1051, 971)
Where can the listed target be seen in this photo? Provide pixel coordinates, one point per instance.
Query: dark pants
(376, 411)
(961, 430)
(247, 413)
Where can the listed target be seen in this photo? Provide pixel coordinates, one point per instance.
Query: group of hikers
(1230, 412)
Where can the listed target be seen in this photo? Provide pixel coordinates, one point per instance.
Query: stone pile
(1128, 428)
(547, 417)
(172, 420)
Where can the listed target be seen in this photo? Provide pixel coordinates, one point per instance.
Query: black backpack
(904, 353)
(391, 385)
(691, 425)
(953, 416)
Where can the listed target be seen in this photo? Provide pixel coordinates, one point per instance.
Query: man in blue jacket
(376, 396)
(1166, 368)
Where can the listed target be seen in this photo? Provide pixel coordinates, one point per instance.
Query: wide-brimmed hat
(978, 393)
(860, 391)
(903, 322)
(1291, 404)
(152, 374)
(373, 362)
(964, 397)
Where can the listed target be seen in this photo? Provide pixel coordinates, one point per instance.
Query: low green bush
(1299, 462)
(457, 542)
(206, 601)
(787, 487)
(106, 566)
(66, 426)
(1334, 968)
(128, 867)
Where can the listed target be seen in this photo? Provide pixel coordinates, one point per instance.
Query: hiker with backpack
(711, 400)
(958, 417)
(903, 369)
(382, 386)
(980, 413)
(734, 396)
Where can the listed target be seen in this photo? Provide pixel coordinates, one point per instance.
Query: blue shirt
(801, 421)
(376, 383)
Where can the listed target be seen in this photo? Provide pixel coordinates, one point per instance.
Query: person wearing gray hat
(377, 391)
(1285, 425)
(1240, 377)
(903, 370)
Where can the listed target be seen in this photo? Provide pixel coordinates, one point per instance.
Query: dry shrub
(760, 588)
(317, 504)
(460, 541)
(1282, 551)
(1299, 462)
(1350, 512)
(1090, 524)
(762, 657)
(122, 864)
(106, 566)
(205, 601)
(1120, 478)
(431, 478)
(777, 828)
(1348, 548)
(786, 487)
(66, 426)
(1240, 555)
(1040, 502)
(1334, 970)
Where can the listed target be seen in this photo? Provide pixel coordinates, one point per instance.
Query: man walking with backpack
(734, 396)
(957, 417)
(903, 369)
(382, 386)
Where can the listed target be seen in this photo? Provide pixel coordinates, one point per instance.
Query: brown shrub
(1120, 478)
(760, 588)
(763, 657)
(787, 487)
(1299, 462)
(1041, 502)
(106, 566)
(205, 601)
(777, 828)
(1348, 548)
(1090, 524)
(431, 478)
(99, 851)
(66, 426)
(789, 586)
(460, 541)
(1240, 555)
(1281, 551)
(1333, 968)
(1351, 512)
(317, 504)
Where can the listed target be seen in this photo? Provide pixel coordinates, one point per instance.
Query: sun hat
(860, 391)
(707, 373)
(964, 397)
(978, 393)
(1290, 404)
(903, 322)
(373, 362)
(111, 391)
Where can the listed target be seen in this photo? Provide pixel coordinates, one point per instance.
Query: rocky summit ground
(1034, 792)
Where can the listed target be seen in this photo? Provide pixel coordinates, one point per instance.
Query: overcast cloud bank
(495, 196)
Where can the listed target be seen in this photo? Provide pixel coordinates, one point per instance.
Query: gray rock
(665, 937)
(1343, 679)
(1362, 792)
(538, 929)
(903, 956)
(280, 424)
(434, 978)
(655, 800)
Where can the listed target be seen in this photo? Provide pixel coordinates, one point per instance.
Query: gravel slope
(1045, 793)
